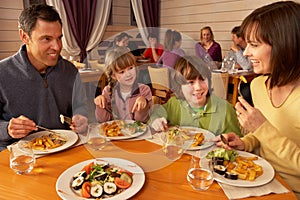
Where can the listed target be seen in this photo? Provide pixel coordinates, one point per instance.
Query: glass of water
(22, 158)
(95, 139)
(172, 146)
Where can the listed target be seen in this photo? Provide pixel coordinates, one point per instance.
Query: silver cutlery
(46, 129)
(64, 119)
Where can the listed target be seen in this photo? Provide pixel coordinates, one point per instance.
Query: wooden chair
(160, 84)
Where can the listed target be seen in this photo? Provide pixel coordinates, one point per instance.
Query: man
(237, 49)
(36, 84)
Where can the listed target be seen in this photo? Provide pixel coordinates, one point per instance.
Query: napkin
(233, 192)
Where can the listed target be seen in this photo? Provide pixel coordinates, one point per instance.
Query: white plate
(207, 136)
(127, 136)
(63, 183)
(265, 178)
(71, 137)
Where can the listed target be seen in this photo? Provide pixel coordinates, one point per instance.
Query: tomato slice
(121, 183)
(88, 168)
(86, 190)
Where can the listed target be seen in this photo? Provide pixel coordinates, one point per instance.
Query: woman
(172, 50)
(274, 121)
(208, 46)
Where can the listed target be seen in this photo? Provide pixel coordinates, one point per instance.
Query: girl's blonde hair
(117, 59)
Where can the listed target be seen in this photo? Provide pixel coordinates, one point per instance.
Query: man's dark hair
(236, 30)
(30, 15)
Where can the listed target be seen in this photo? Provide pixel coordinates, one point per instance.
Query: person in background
(37, 84)
(172, 51)
(274, 120)
(123, 98)
(237, 49)
(155, 50)
(208, 47)
(195, 104)
(123, 40)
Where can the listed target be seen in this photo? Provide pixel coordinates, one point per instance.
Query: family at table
(37, 85)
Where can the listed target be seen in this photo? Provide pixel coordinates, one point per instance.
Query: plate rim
(68, 144)
(266, 168)
(137, 134)
(61, 179)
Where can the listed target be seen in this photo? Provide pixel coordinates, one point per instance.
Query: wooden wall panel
(9, 37)
(189, 17)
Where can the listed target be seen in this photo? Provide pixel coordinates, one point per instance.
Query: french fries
(245, 168)
(49, 141)
(112, 129)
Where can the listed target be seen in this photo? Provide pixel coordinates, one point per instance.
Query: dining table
(164, 179)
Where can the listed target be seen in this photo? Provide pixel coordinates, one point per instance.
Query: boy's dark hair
(236, 30)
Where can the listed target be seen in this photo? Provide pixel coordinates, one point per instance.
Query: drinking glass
(22, 158)
(172, 146)
(95, 139)
(198, 177)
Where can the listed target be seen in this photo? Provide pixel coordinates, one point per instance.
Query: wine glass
(22, 158)
(95, 139)
(172, 146)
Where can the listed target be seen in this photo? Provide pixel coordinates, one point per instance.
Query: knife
(46, 129)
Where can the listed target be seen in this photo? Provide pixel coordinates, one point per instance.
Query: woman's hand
(234, 142)
(160, 124)
(139, 104)
(100, 101)
(20, 127)
(249, 117)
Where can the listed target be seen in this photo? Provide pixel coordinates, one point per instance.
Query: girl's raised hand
(139, 104)
(100, 101)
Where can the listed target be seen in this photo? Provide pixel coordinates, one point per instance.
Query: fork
(64, 119)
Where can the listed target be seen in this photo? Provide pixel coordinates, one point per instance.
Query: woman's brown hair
(278, 25)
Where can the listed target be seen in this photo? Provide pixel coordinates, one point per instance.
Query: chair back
(220, 84)
(160, 84)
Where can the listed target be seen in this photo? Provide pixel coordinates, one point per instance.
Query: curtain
(151, 15)
(100, 23)
(81, 16)
(137, 7)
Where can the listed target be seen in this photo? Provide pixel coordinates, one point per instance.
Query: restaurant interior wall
(189, 17)
(9, 37)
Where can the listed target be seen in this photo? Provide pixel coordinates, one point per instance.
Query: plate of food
(101, 178)
(122, 129)
(44, 142)
(238, 168)
(195, 138)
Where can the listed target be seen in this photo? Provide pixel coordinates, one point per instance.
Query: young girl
(123, 98)
(196, 105)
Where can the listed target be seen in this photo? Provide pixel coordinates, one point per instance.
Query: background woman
(208, 46)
